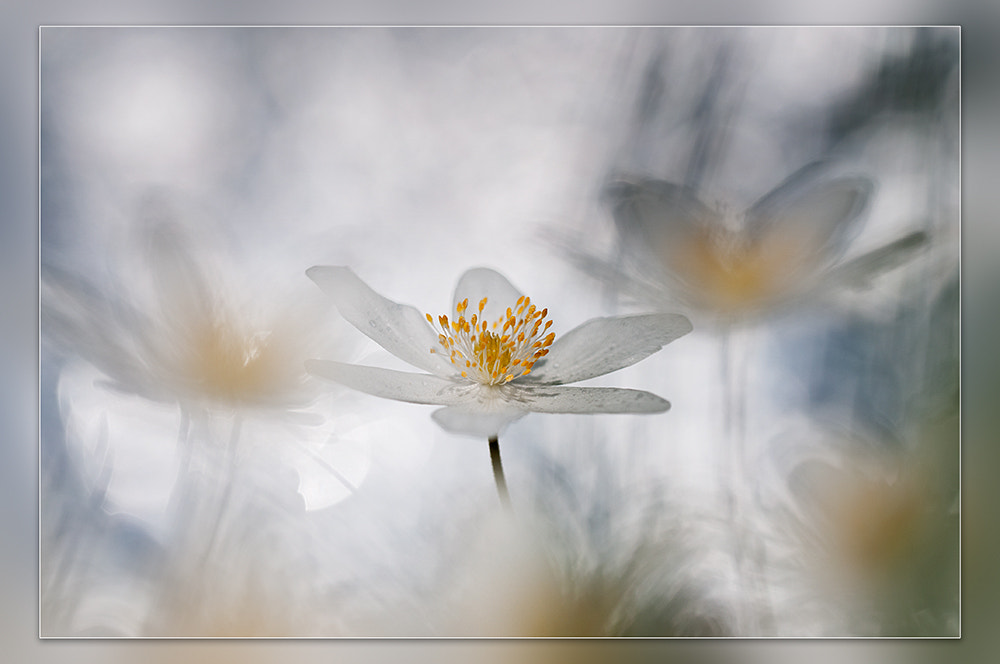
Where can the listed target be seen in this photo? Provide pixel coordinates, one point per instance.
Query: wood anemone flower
(500, 362)
(782, 250)
(172, 333)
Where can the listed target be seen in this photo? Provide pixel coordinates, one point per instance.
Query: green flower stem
(498, 472)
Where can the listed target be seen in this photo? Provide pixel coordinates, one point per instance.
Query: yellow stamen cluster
(497, 353)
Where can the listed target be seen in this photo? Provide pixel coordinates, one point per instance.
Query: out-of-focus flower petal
(125, 447)
(390, 384)
(480, 282)
(459, 419)
(560, 399)
(646, 209)
(859, 271)
(603, 345)
(328, 470)
(399, 328)
(75, 315)
(819, 210)
(177, 275)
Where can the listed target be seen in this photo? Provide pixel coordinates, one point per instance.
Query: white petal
(650, 210)
(817, 211)
(653, 216)
(328, 471)
(481, 282)
(171, 258)
(559, 399)
(400, 329)
(460, 419)
(861, 270)
(603, 345)
(126, 447)
(389, 384)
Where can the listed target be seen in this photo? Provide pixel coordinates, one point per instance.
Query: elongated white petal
(400, 329)
(561, 399)
(179, 282)
(481, 282)
(861, 270)
(389, 384)
(461, 419)
(603, 345)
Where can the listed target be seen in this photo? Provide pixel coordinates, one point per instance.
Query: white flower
(174, 324)
(779, 251)
(165, 328)
(500, 362)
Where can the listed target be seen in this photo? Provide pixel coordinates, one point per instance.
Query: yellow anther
(495, 352)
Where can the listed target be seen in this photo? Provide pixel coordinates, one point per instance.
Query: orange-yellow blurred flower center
(498, 352)
(228, 364)
(878, 522)
(735, 275)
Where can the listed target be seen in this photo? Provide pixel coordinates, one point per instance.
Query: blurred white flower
(170, 357)
(182, 340)
(868, 527)
(781, 250)
(500, 363)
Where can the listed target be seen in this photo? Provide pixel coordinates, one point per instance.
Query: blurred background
(192, 484)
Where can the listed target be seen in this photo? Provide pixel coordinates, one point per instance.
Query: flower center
(227, 363)
(733, 276)
(495, 353)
